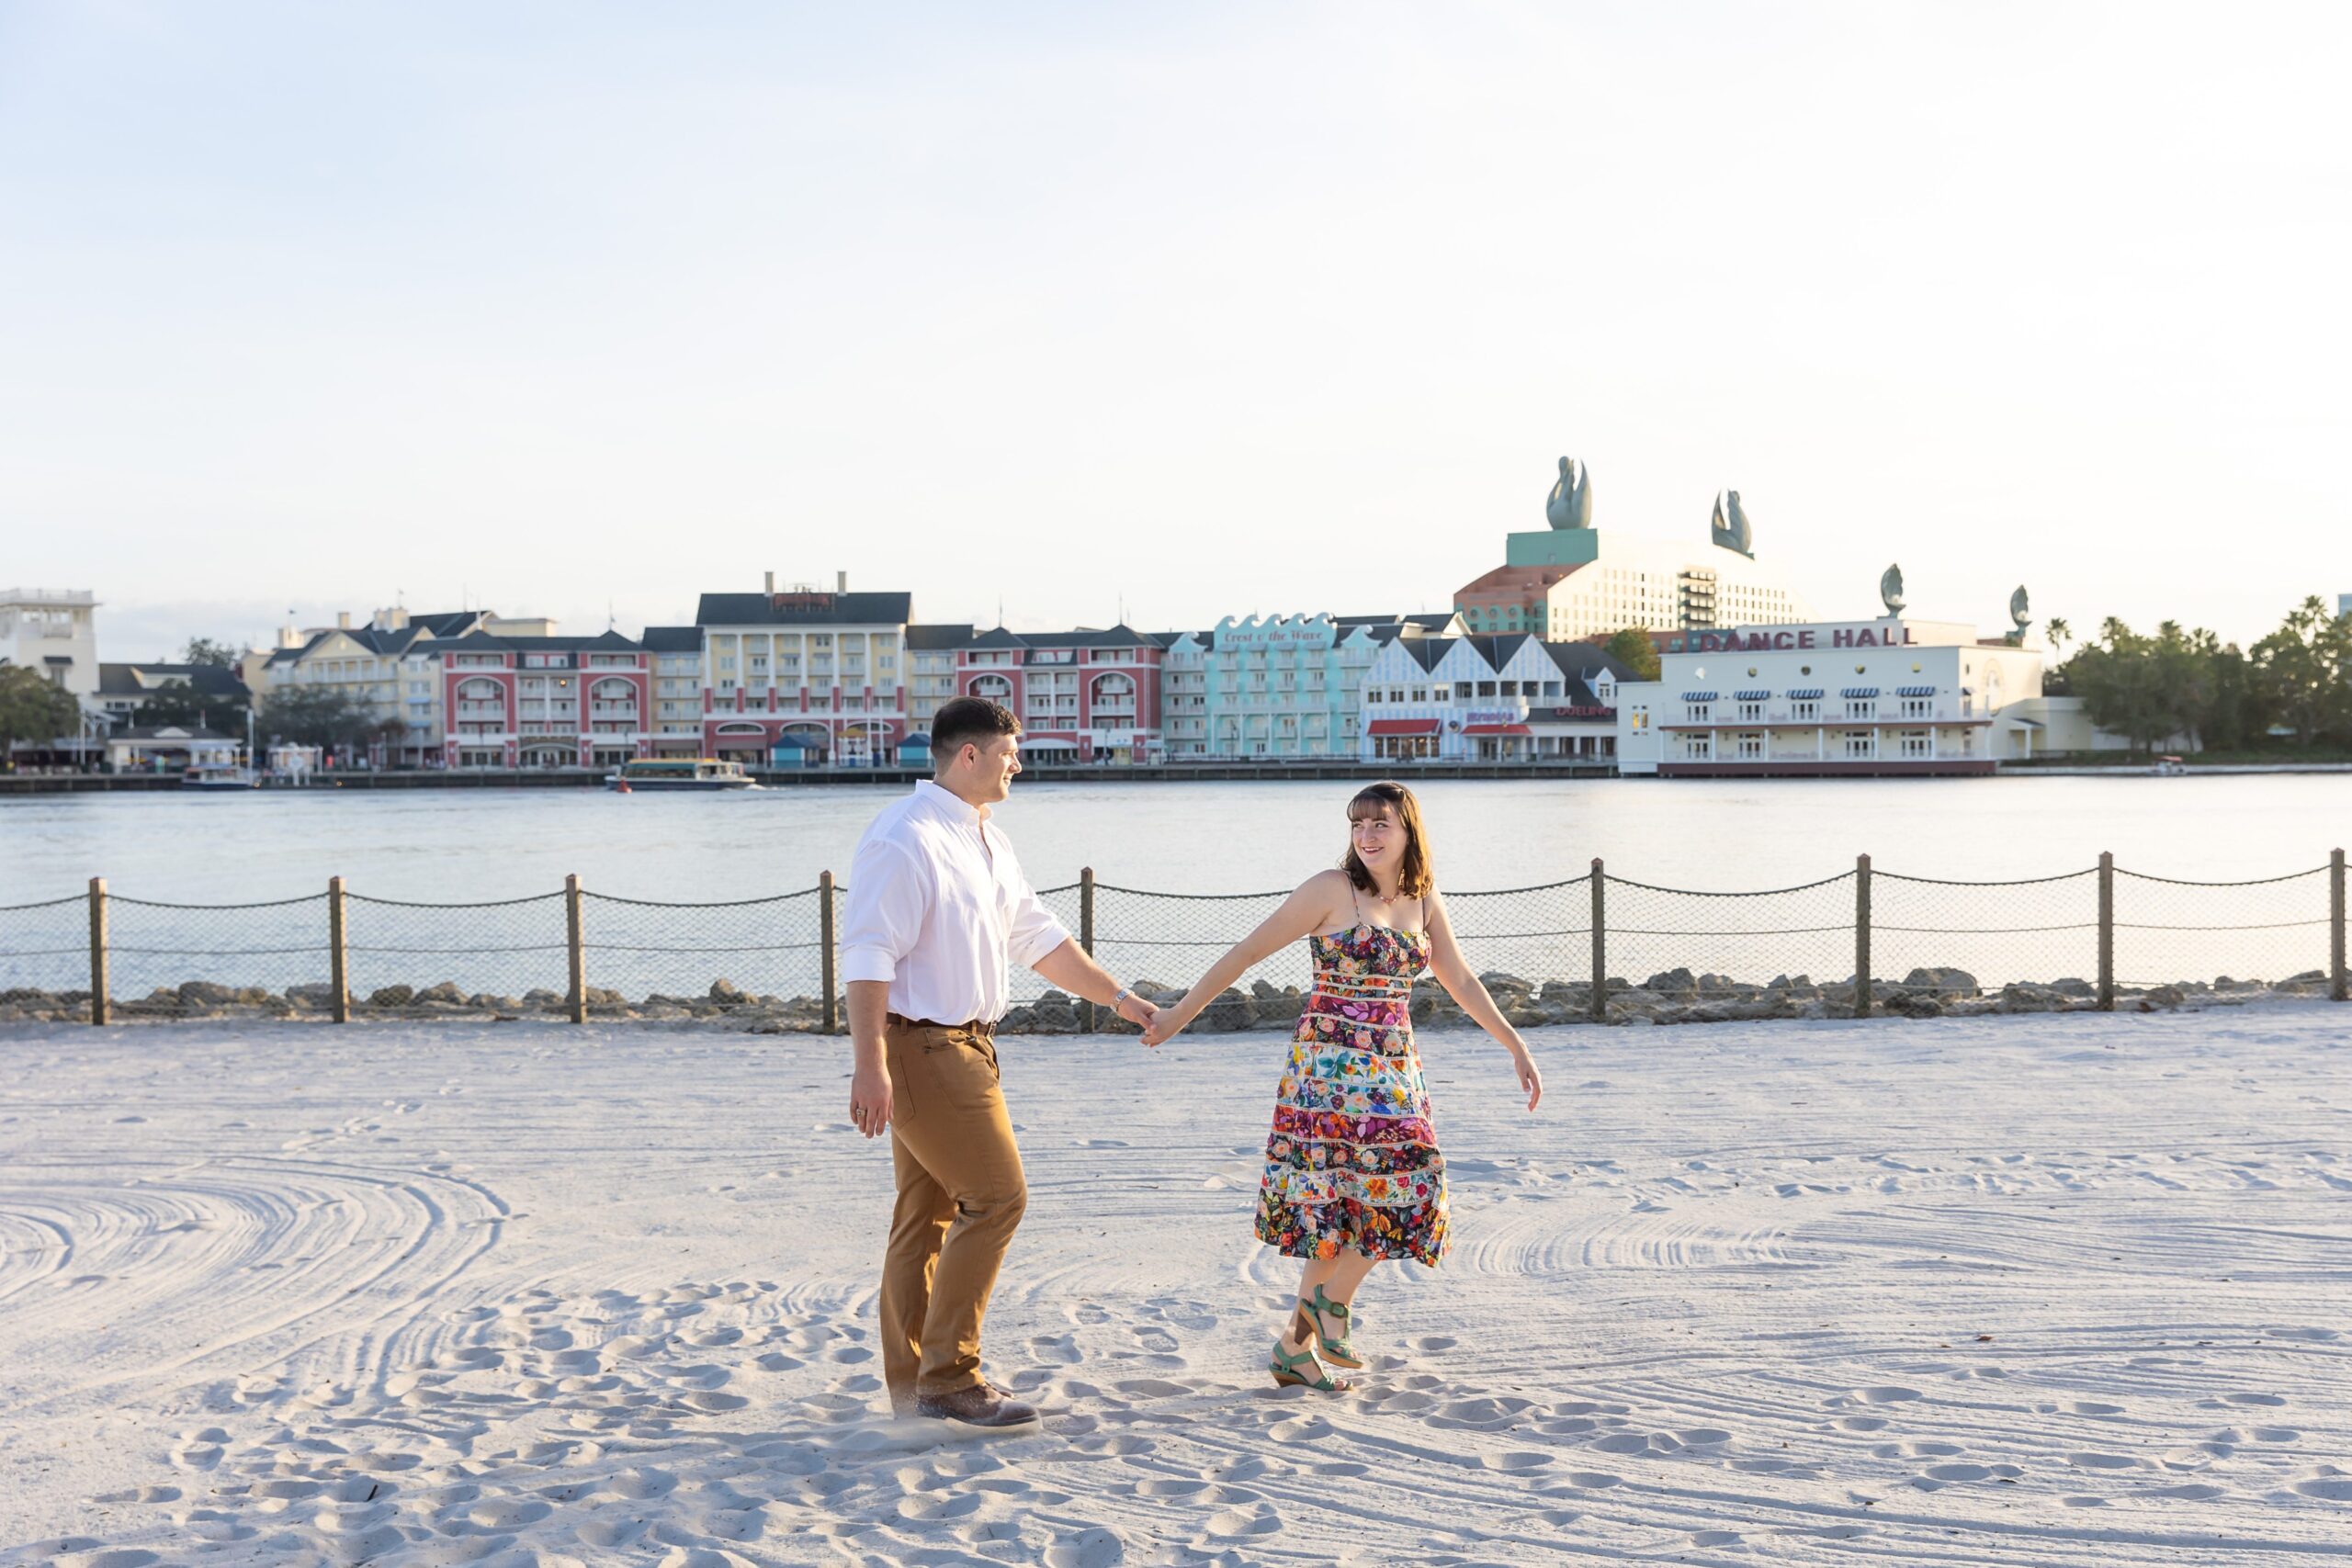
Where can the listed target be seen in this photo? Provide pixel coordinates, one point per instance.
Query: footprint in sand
(1094, 1548)
(1236, 1523)
(2254, 1399)
(2329, 1488)
(2096, 1460)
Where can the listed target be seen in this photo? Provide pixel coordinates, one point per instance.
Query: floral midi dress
(1353, 1160)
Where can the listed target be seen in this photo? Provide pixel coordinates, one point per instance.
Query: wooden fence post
(1861, 936)
(98, 950)
(825, 943)
(338, 952)
(1086, 934)
(577, 954)
(1598, 1007)
(2106, 930)
(2337, 989)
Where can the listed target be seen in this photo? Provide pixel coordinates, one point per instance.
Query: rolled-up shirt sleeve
(1035, 932)
(883, 913)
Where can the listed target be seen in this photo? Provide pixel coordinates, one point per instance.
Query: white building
(391, 667)
(55, 633)
(1283, 686)
(1513, 698)
(1890, 697)
(1573, 582)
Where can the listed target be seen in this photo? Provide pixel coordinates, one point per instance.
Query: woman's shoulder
(1331, 884)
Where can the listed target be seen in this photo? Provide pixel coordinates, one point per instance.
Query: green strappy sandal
(1339, 1352)
(1287, 1375)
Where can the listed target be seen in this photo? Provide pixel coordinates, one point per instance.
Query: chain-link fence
(1598, 946)
(45, 947)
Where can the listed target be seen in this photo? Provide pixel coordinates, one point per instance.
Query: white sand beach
(2051, 1290)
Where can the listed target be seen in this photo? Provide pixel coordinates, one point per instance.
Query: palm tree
(2059, 633)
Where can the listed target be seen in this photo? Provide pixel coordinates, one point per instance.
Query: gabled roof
(137, 680)
(1427, 651)
(1088, 636)
(804, 609)
(1586, 659)
(933, 637)
(673, 639)
(996, 636)
(606, 642)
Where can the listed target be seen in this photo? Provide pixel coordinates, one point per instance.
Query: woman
(1354, 1174)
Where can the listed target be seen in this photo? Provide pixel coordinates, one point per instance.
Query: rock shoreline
(1674, 996)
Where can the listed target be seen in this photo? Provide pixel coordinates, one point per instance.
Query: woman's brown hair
(1416, 873)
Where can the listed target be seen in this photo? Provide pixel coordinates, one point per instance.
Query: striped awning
(1750, 696)
(1698, 696)
(1851, 692)
(1805, 694)
(1915, 691)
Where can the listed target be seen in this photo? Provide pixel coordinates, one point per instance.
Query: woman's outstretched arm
(1308, 909)
(1453, 972)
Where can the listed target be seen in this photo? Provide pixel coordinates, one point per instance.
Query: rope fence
(1597, 948)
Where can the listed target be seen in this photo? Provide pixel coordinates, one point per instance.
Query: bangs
(1371, 803)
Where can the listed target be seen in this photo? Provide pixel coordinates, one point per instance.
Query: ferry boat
(219, 775)
(701, 773)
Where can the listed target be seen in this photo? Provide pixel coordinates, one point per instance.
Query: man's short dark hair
(967, 721)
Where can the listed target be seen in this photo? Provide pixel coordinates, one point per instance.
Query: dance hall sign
(1767, 640)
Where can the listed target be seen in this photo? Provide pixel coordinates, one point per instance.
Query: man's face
(995, 763)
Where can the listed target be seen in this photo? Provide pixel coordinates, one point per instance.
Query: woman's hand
(1166, 1024)
(1528, 1079)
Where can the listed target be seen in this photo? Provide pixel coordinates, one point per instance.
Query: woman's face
(1379, 838)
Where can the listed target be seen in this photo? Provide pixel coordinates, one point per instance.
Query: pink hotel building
(843, 679)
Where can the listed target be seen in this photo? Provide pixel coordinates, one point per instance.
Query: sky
(1172, 312)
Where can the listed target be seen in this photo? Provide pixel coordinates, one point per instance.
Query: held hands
(1164, 1027)
(1145, 1015)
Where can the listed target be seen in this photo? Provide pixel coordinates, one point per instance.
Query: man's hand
(1162, 1028)
(869, 1098)
(1140, 1012)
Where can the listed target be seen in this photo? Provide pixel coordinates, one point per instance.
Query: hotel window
(1807, 709)
(1919, 707)
(1462, 689)
(1371, 695)
(1751, 713)
(1861, 707)
(1751, 747)
(1858, 745)
(1641, 719)
(1701, 713)
(1918, 745)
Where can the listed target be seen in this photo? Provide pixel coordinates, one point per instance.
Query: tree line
(2290, 690)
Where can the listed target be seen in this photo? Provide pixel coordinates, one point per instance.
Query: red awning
(1401, 726)
(1495, 729)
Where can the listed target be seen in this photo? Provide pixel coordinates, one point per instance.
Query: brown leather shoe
(980, 1405)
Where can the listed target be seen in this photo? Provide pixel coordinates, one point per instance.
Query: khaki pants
(961, 1194)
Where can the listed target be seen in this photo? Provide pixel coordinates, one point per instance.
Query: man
(938, 908)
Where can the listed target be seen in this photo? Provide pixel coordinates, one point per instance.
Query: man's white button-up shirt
(938, 908)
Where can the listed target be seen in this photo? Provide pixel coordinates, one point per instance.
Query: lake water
(401, 849)
(463, 845)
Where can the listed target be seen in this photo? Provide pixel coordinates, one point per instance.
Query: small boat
(219, 775)
(700, 773)
(2169, 767)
